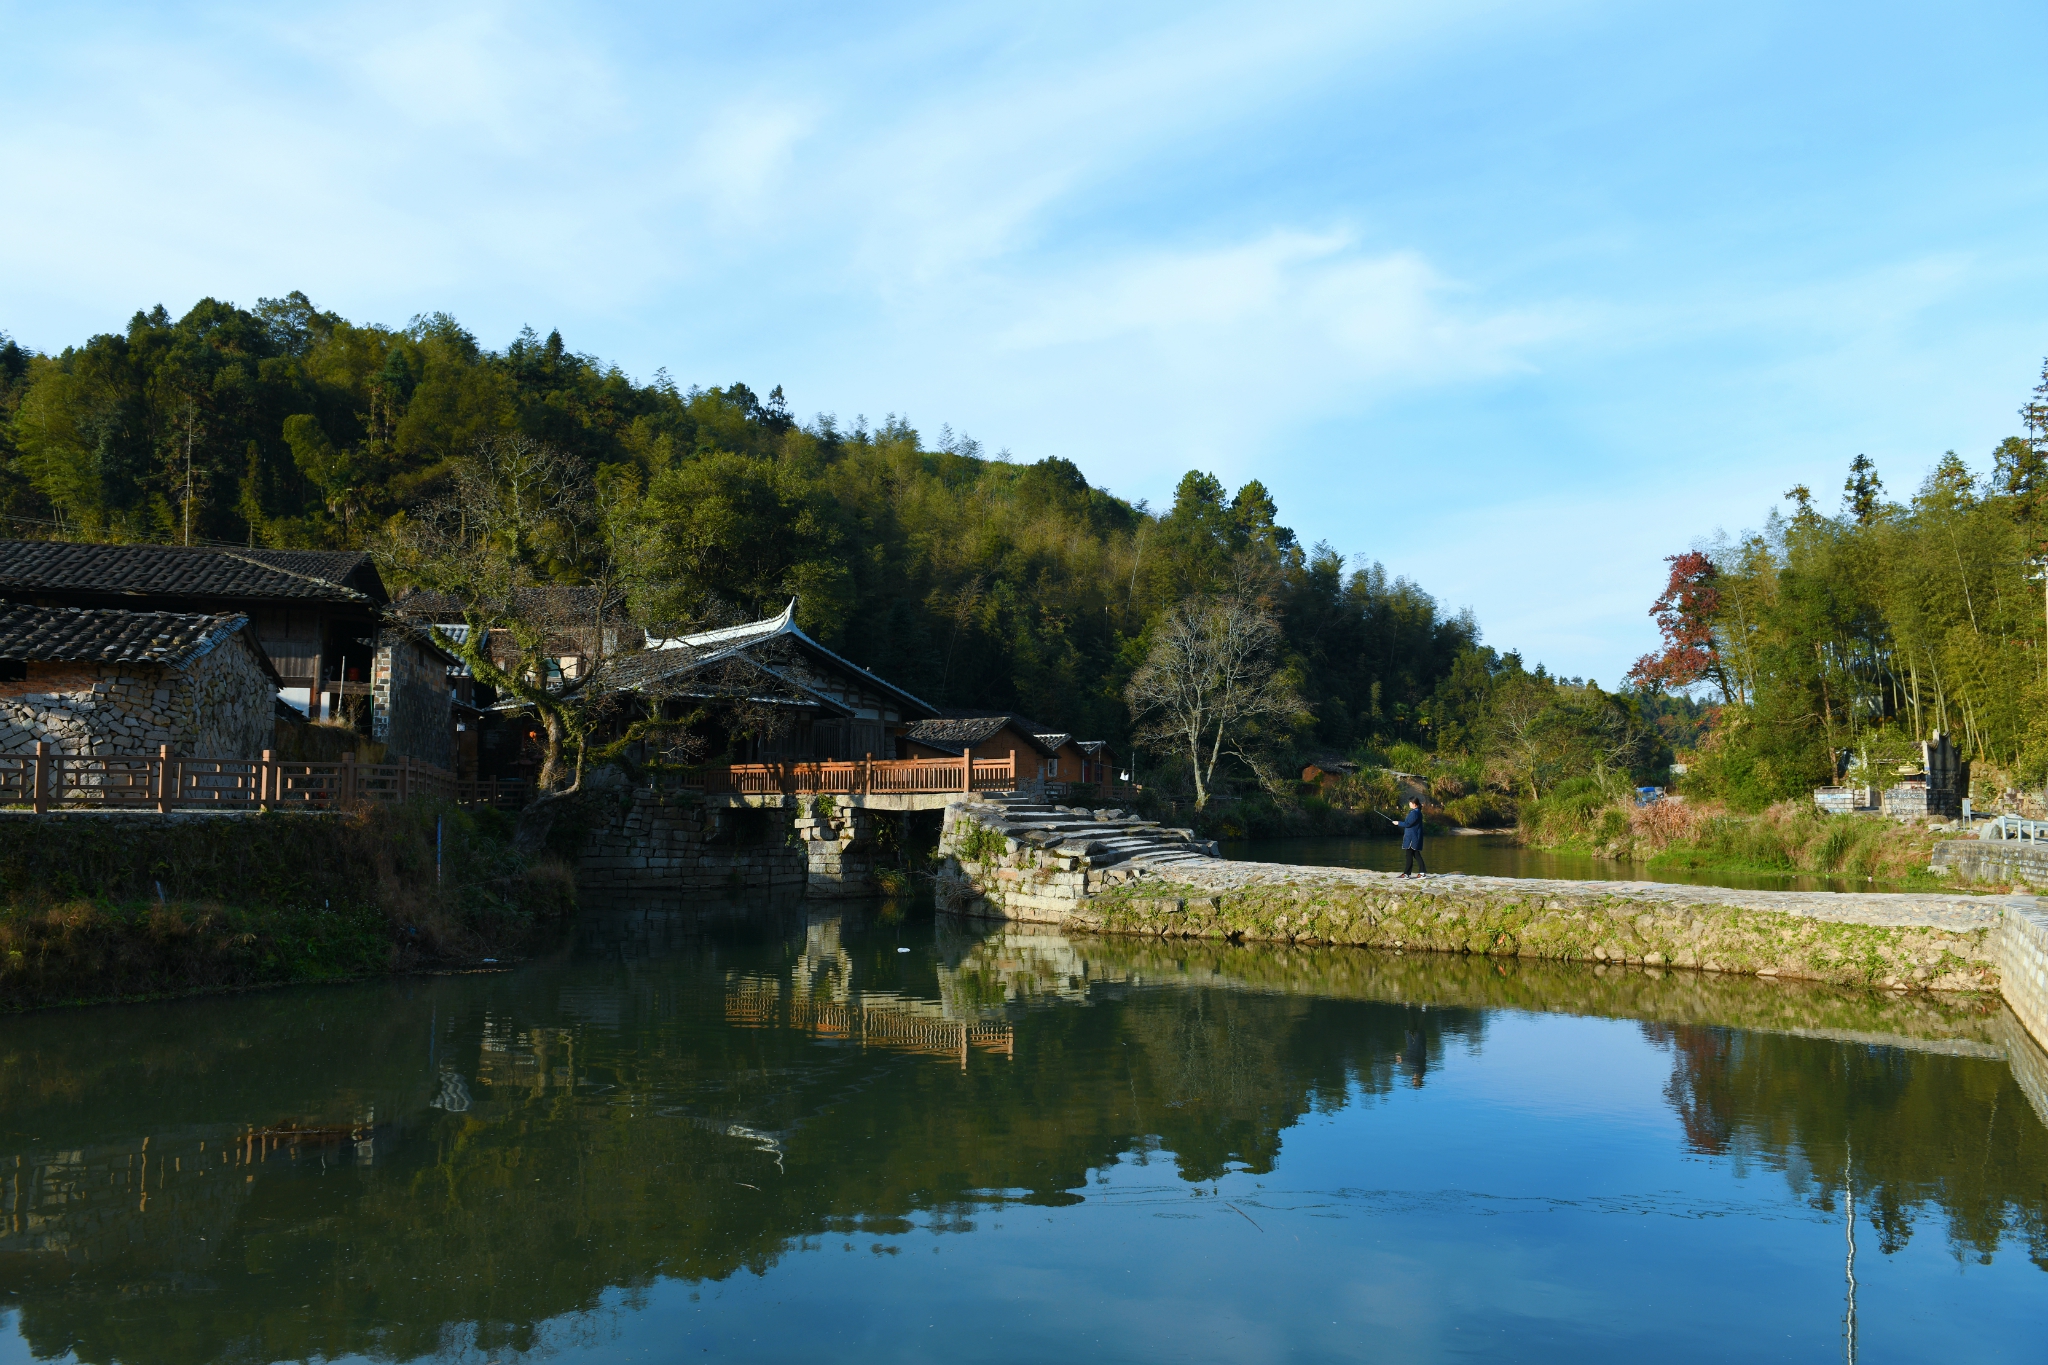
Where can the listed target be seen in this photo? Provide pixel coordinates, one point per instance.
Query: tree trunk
(551, 759)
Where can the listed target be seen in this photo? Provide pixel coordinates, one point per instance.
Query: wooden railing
(47, 780)
(866, 777)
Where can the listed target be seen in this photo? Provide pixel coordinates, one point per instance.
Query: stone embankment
(2016, 861)
(1097, 871)
(661, 841)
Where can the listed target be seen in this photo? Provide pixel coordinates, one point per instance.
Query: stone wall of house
(231, 701)
(410, 702)
(218, 705)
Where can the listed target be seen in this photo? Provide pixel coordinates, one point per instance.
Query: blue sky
(1515, 299)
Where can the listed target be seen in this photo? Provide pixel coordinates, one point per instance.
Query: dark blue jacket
(1411, 830)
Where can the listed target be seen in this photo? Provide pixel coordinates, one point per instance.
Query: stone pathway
(1929, 909)
(1113, 838)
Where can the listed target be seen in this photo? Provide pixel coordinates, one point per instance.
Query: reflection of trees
(1915, 1132)
(1231, 1070)
(620, 1129)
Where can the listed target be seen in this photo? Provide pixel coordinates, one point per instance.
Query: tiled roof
(660, 670)
(962, 732)
(628, 672)
(1051, 741)
(28, 566)
(667, 658)
(72, 635)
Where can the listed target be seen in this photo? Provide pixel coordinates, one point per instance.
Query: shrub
(118, 906)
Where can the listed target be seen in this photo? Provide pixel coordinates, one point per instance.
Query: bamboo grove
(1837, 642)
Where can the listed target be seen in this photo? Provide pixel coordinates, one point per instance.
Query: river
(1497, 855)
(793, 1133)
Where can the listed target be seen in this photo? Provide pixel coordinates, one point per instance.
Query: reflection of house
(822, 705)
(101, 681)
(316, 612)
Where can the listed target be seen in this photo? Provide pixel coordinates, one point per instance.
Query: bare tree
(1212, 685)
(521, 517)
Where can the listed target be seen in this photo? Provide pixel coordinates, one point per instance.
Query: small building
(1098, 763)
(1936, 789)
(100, 681)
(1064, 766)
(1075, 762)
(992, 738)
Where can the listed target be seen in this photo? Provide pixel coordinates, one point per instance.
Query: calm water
(775, 1135)
(1500, 856)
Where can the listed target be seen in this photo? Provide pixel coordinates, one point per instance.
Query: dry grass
(1792, 836)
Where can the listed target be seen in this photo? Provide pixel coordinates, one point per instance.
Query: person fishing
(1411, 840)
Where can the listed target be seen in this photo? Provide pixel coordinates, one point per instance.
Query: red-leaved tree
(1685, 618)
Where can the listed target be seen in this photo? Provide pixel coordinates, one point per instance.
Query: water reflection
(507, 1162)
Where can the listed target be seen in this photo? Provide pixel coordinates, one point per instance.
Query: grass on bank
(108, 908)
(1790, 837)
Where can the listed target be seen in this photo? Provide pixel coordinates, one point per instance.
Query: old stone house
(108, 682)
(318, 616)
(317, 613)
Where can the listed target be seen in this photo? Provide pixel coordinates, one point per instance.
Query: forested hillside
(972, 581)
(1848, 637)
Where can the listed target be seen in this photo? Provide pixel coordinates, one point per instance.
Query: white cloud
(1311, 304)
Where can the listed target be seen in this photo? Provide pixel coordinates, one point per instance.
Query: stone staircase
(1096, 839)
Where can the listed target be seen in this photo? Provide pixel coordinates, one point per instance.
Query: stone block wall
(653, 842)
(217, 705)
(1992, 860)
(233, 701)
(2023, 955)
(411, 707)
(840, 846)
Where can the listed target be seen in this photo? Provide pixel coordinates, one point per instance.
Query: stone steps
(1095, 839)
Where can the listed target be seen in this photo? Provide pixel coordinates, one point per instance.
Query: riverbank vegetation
(122, 907)
(1835, 644)
(1708, 836)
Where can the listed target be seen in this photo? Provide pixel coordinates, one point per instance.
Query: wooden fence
(46, 780)
(867, 777)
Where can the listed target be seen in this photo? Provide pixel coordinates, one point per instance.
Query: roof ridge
(235, 554)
